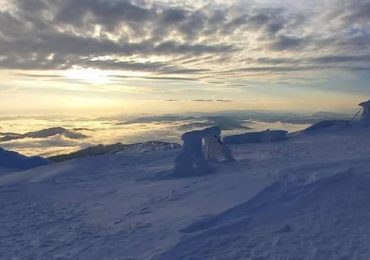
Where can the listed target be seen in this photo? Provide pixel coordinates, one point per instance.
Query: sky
(171, 56)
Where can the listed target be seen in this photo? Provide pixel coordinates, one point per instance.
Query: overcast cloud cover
(123, 34)
(225, 43)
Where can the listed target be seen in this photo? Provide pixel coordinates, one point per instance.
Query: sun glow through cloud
(257, 54)
(93, 76)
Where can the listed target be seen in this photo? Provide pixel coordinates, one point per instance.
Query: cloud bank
(185, 39)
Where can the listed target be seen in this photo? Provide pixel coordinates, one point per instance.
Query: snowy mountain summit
(303, 198)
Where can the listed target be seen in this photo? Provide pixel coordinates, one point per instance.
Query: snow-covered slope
(326, 219)
(12, 161)
(306, 198)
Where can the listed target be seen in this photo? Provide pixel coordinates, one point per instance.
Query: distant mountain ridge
(43, 134)
(187, 123)
(236, 119)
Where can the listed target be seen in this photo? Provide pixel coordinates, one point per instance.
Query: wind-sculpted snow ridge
(43, 134)
(12, 161)
(326, 219)
(329, 124)
(115, 148)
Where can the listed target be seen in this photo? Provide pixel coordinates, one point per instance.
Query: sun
(93, 76)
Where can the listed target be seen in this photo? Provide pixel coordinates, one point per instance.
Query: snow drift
(299, 221)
